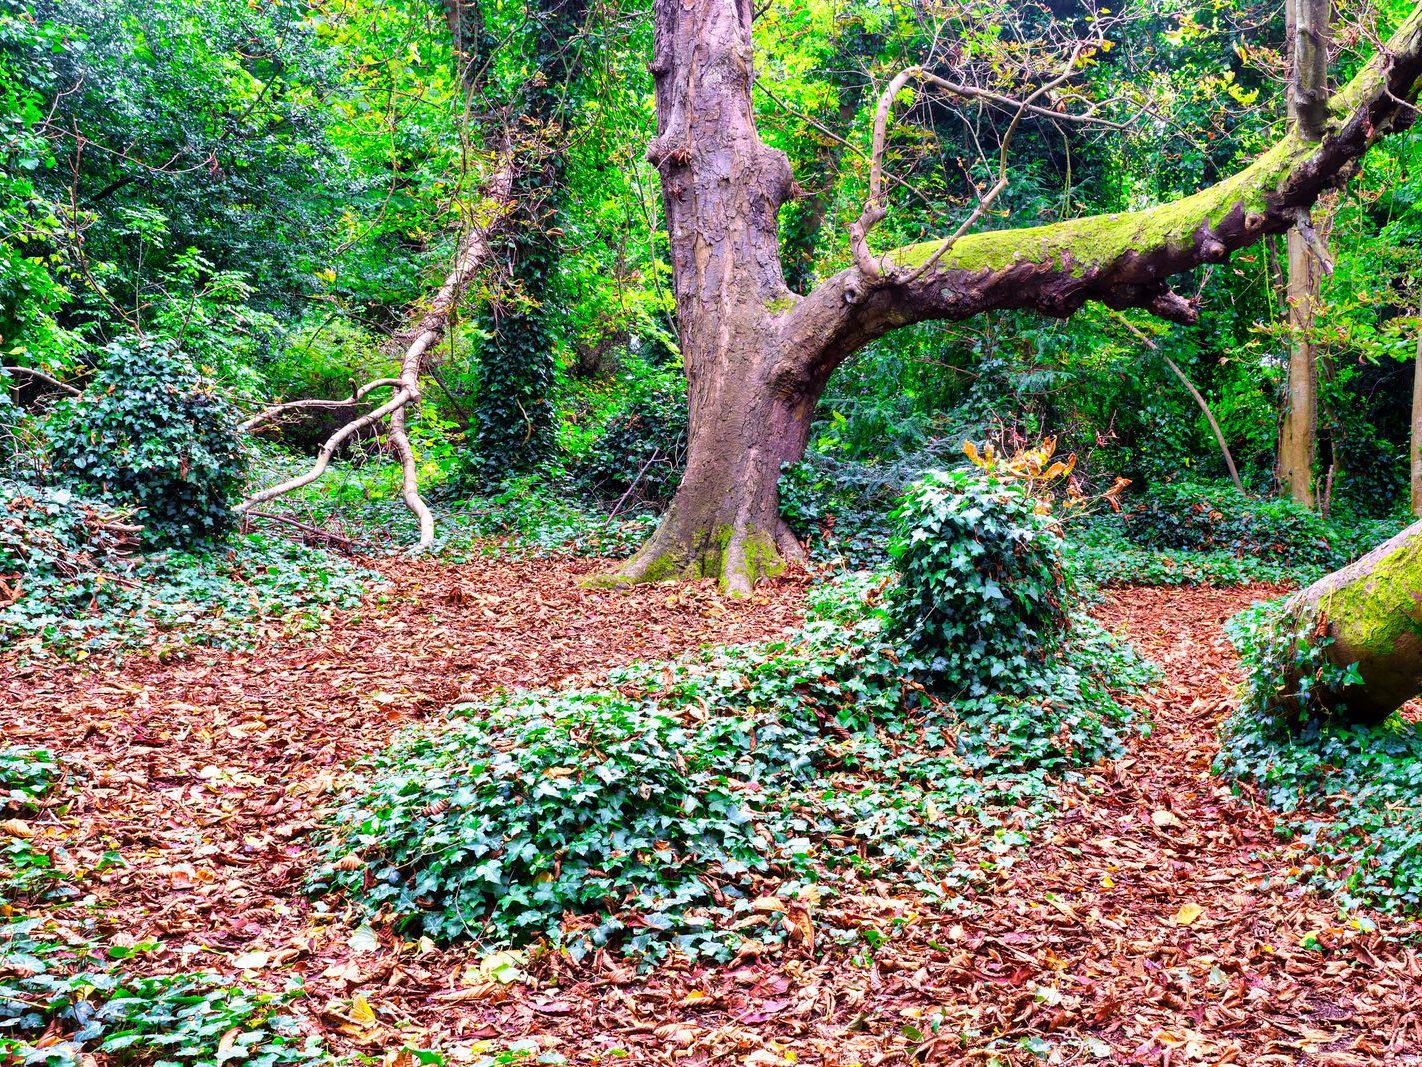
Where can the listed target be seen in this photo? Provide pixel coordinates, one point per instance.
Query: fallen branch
(429, 331)
(346, 544)
(272, 412)
(42, 376)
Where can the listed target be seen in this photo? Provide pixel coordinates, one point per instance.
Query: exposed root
(736, 559)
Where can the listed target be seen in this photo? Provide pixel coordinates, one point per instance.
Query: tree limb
(1120, 260)
(63, 387)
(429, 330)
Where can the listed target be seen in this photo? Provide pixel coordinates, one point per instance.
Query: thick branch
(1120, 260)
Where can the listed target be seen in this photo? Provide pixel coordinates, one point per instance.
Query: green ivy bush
(648, 814)
(1214, 516)
(980, 600)
(25, 776)
(149, 432)
(545, 804)
(1351, 795)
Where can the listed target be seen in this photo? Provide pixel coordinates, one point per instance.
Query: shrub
(25, 776)
(545, 804)
(150, 432)
(980, 596)
(62, 1002)
(68, 583)
(1199, 516)
(1098, 553)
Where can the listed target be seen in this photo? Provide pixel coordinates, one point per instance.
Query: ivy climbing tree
(515, 417)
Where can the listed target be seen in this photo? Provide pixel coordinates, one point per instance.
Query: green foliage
(642, 449)
(1351, 795)
(1097, 552)
(545, 804)
(648, 814)
(77, 589)
(149, 432)
(979, 601)
(1200, 517)
(25, 775)
(65, 986)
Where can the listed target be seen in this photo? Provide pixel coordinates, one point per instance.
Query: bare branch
(250, 425)
(63, 387)
(488, 216)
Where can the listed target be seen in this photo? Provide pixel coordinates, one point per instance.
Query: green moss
(1374, 614)
(779, 305)
(1102, 239)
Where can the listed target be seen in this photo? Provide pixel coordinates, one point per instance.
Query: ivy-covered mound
(150, 432)
(661, 811)
(65, 996)
(1351, 795)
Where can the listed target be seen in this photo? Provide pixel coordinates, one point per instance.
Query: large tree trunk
(757, 357)
(1372, 611)
(723, 190)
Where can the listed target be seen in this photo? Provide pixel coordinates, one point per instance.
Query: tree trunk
(1416, 479)
(757, 356)
(1307, 22)
(1372, 610)
(1298, 434)
(723, 189)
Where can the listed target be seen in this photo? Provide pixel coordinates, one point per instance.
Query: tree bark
(1307, 22)
(723, 189)
(757, 357)
(1298, 432)
(1372, 611)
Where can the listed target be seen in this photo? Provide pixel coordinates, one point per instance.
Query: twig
(42, 376)
(347, 544)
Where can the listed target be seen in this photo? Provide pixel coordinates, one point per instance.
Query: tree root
(736, 559)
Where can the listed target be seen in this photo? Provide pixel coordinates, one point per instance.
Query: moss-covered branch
(1123, 259)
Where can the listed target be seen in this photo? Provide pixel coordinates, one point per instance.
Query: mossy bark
(1372, 611)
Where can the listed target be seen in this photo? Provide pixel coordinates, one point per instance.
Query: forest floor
(1156, 923)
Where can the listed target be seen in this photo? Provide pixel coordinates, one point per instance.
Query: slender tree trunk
(1298, 434)
(1416, 480)
(1307, 22)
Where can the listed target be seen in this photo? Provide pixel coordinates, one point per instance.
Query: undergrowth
(68, 995)
(1351, 796)
(657, 813)
(70, 583)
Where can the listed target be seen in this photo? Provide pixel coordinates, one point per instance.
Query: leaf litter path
(1156, 924)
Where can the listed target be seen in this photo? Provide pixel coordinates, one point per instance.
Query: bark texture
(1372, 609)
(723, 189)
(757, 356)
(1307, 22)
